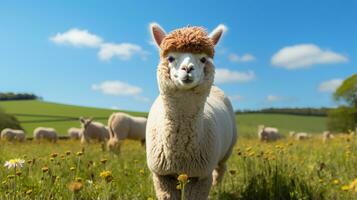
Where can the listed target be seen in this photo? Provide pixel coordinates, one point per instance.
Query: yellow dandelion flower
(18, 173)
(52, 159)
(336, 181)
(54, 155)
(45, 169)
(345, 188)
(183, 178)
(142, 172)
(72, 168)
(107, 176)
(68, 153)
(75, 186)
(103, 161)
(79, 153)
(79, 179)
(11, 176)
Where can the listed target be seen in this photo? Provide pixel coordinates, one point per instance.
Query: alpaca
(13, 135)
(93, 131)
(74, 133)
(123, 126)
(49, 134)
(268, 134)
(300, 135)
(191, 126)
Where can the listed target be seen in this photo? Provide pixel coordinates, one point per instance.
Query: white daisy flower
(14, 163)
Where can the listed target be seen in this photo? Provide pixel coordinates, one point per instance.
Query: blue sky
(98, 53)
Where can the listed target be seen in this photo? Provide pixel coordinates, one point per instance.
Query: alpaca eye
(203, 60)
(171, 59)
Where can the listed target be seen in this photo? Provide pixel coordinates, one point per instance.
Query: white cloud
(273, 98)
(123, 51)
(244, 58)
(117, 88)
(330, 85)
(78, 38)
(305, 55)
(227, 76)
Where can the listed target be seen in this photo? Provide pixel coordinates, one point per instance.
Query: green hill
(33, 113)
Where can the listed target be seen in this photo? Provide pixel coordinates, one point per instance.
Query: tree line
(291, 111)
(6, 96)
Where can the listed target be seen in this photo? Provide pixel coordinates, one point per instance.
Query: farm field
(32, 114)
(286, 169)
(281, 170)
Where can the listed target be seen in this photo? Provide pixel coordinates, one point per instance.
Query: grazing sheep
(326, 135)
(123, 126)
(13, 135)
(49, 134)
(268, 134)
(300, 135)
(74, 133)
(191, 127)
(93, 131)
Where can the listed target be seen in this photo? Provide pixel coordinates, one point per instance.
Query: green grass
(260, 171)
(247, 123)
(59, 111)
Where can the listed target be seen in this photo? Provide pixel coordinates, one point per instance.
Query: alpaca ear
(157, 33)
(216, 34)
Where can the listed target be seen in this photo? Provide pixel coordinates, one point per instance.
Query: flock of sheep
(268, 134)
(120, 126)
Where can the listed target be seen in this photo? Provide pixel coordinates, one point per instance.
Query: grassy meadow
(286, 169)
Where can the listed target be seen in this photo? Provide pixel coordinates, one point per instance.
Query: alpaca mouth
(187, 81)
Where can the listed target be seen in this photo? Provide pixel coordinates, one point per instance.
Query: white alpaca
(300, 135)
(49, 134)
(93, 131)
(13, 135)
(123, 126)
(268, 134)
(191, 126)
(74, 133)
(327, 135)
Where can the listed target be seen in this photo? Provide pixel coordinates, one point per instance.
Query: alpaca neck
(183, 119)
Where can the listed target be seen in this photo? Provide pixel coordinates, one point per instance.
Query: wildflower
(75, 186)
(28, 192)
(248, 148)
(79, 153)
(336, 181)
(107, 175)
(251, 154)
(52, 159)
(183, 178)
(345, 188)
(29, 162)
(103, 161)
(353, 185)
(18, 173)
(45, 169)
(90, 182)
(68, 153)
(3, 182)
(142, 172)
(14, 163)
(54, 155)
(72, 168)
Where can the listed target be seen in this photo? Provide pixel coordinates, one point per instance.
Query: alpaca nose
(187, 68)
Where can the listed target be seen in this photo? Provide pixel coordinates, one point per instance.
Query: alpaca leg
(198, 189)
(218, 173)
(165, 187)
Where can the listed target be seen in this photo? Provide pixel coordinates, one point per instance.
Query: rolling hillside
(32, 114)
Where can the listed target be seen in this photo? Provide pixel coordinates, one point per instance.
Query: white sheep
(74, 133)
(191, 127)
(327, 135)
(93, 131)
(299, 135)
(13, 135)
(123, 126)
(268, 134)
(44, 133)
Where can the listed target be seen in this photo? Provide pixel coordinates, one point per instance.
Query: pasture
(286, 169)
